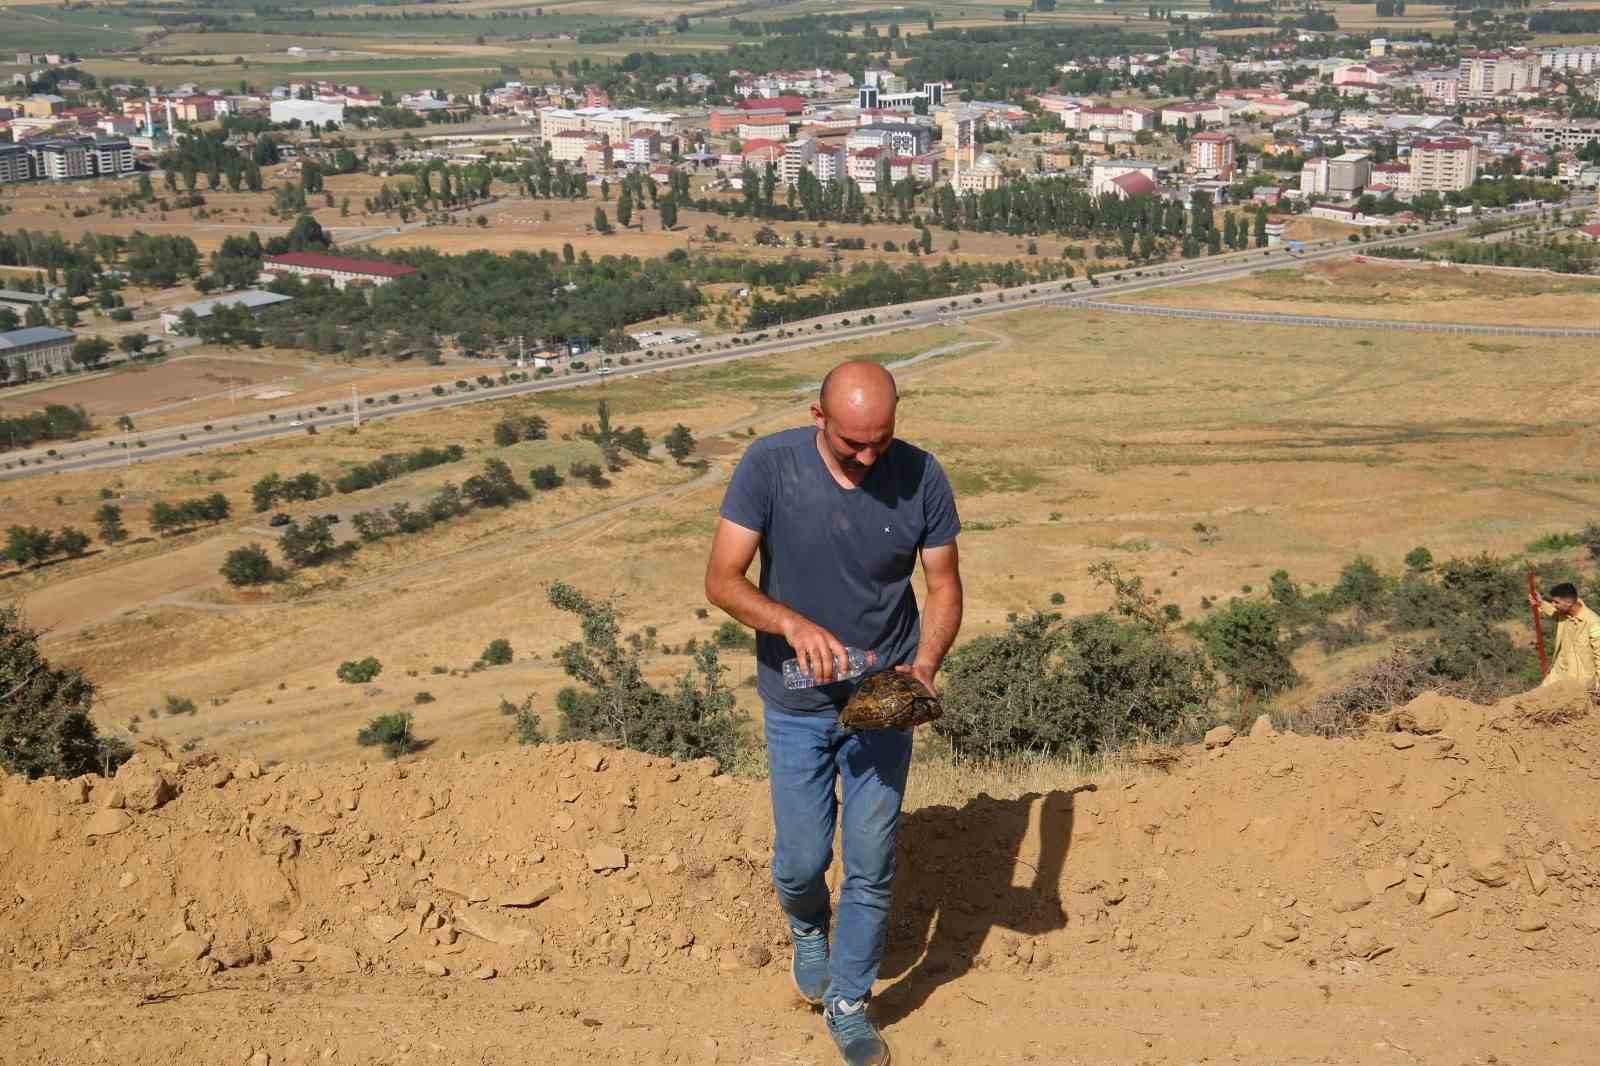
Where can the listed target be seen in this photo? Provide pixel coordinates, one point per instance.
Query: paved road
(104, 452)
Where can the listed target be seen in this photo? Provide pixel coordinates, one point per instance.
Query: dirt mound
(1456, 846)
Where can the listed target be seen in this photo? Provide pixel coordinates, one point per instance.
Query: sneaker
(859, 1041)
(810, 969)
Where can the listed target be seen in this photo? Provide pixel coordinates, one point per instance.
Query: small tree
(249, 565)
(601, 224)
(359, 671)
(109, 518)
(306, 545)
(679, 442)
(390, 731)
(70, 542)
(45, 726)
(695, 719)
(498, 653)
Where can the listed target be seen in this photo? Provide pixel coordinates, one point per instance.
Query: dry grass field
(1387, 289)
(1070, 438)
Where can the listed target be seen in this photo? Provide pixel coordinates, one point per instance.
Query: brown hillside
(1460, 847)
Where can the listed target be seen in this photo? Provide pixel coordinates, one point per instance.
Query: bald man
(840, 512)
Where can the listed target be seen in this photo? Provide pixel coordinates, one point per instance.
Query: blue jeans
(805, 754)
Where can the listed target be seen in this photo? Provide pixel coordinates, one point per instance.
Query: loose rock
(1490, 866)
(1262, 727)
(1220, 736)
(605, 857)
(531, 896)
(105, 823)
(1439, 901)
(385, 928)
(1529, 921)
(1348, 898)
(186, 947)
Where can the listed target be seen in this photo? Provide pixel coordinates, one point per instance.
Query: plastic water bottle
(856, 663)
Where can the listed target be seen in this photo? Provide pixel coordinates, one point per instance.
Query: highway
(121, 449)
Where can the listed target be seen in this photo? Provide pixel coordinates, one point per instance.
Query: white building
(307, 111)
(1483, 75)
(1314, 177)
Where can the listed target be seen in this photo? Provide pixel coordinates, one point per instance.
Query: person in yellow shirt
(1577, 655)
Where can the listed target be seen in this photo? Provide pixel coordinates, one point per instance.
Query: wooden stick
(1538, 626)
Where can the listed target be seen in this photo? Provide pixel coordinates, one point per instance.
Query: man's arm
(732, 550)
(941, 615)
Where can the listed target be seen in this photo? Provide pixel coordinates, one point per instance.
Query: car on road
(297, 422)
(279, 519)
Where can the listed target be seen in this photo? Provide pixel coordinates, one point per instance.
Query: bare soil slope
(1427, 892)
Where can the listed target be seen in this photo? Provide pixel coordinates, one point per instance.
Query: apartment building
(1212, 153)
(1572, 135)
(1444, 165)
(567, 146)
(798, 156)
(15, 164)
(1395, 178)
(87, 156)
(1578, 59)
(1314, 177)
(1483, 75)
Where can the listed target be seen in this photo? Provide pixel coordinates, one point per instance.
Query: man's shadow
(954, 883)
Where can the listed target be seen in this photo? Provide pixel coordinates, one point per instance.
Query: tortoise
(889, 700)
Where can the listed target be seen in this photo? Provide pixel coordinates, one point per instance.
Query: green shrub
(731, 636)
(1361, 586)
(1486, 585)
(545, 478)
(498, 653)
(359, 671)
(1245, 641)
(180, 705)
(1480, 657)
(1419, 559)
(391, 731)
(1088, 684)
(527, 728)
(422, 697)
(694, 719)
(248, 565)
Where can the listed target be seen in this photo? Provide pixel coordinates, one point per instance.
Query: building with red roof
(342, 271)
(790, 105)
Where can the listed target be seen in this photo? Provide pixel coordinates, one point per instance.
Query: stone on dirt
(385, 928)
(606, 857)
(105, 823)
(1219, 736)
(1439, 901)
(1262, 727)
(435, 968)
(186, 947)
(531, 896)
(485, 926)
(1490, 866)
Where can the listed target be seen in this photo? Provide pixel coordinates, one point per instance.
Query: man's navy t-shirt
(840, 557)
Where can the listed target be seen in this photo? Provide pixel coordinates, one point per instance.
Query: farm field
(1070, 438)
(1390, 289)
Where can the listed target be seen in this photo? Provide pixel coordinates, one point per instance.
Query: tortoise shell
(889, 700)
